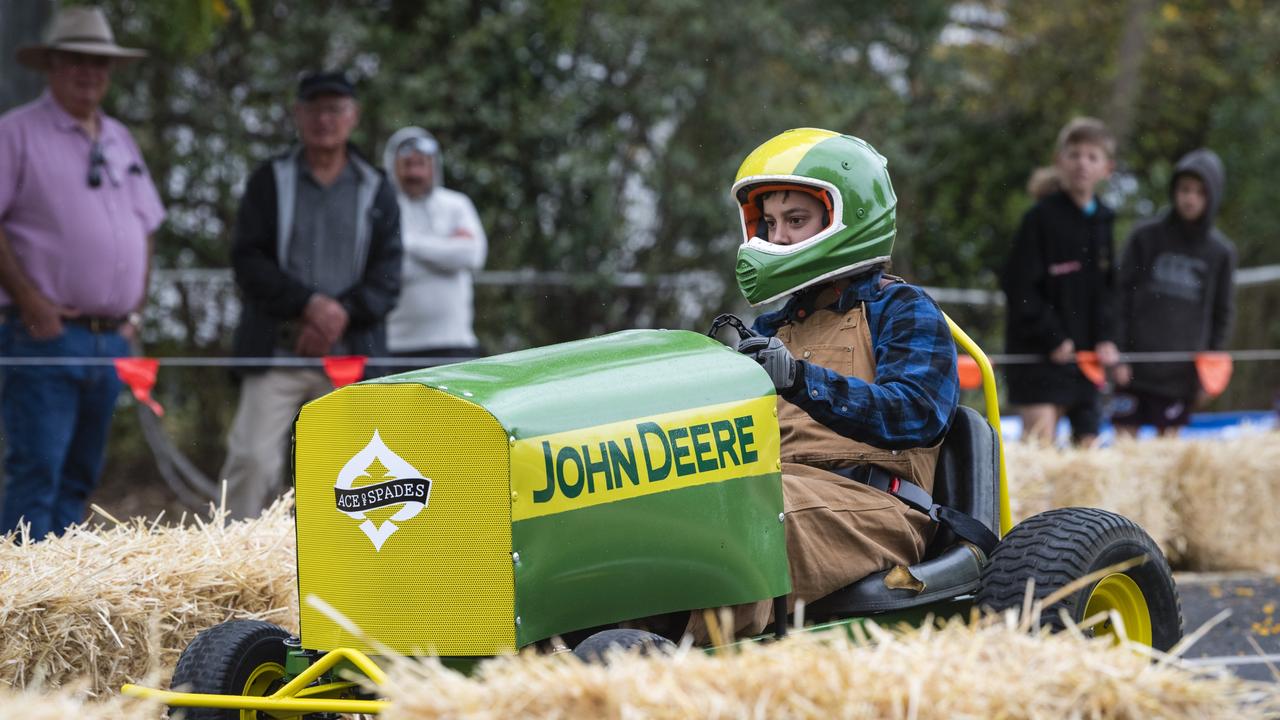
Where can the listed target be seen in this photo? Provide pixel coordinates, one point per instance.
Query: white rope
(227, 362)
(1247, 277)
(1254, 355)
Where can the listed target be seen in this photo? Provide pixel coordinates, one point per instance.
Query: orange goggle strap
(753, 210)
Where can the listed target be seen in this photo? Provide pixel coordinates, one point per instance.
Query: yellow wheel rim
(1117, 593)
(259, 683)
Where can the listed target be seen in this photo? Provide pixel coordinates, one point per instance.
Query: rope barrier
(1147, 357)
(1245, 277)
(224, 362)
(195, 489)
(1250, 355)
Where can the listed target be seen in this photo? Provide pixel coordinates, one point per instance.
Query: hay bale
(1130, 478)
(1229, 504)
(108, 605)
(991, 670)
(68, 704)
(1210, 505)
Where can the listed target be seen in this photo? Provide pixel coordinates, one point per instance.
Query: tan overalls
(838, 530)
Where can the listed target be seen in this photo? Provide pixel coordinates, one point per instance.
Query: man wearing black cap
(317, 258)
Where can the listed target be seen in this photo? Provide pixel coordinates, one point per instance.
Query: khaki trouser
(838, 530)
(258, 443)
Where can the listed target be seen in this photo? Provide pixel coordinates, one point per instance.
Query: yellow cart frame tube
(993, 413)
(286, 699)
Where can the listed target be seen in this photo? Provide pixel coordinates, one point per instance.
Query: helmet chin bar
(853, 270)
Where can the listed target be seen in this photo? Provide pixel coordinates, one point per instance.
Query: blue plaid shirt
(916, 389)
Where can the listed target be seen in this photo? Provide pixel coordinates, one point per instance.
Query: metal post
(21, 22)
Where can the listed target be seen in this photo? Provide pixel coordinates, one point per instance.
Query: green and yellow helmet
(852, 181)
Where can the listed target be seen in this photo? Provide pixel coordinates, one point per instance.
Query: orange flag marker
(970, 373)
(1214, 370)
(1090, 367)
(139, 373)
(344, 369)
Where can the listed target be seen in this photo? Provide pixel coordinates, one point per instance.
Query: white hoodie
(443, 244)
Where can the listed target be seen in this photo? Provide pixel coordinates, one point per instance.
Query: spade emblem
(407, 488)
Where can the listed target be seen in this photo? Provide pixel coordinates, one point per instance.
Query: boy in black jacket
(1175, 293)
(1058, 286)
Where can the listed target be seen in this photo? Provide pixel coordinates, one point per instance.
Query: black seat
(968, 475)
(968, 480)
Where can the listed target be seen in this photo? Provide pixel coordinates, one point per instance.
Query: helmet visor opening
(752, 204)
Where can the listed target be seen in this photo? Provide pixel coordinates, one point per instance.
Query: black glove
(776, 360)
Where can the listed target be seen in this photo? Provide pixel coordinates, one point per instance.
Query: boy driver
(864, 364)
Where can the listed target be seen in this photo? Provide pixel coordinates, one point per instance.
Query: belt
(964, 526)
(94, 323)
(97, 323)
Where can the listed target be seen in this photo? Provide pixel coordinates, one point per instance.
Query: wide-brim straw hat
(79, 30)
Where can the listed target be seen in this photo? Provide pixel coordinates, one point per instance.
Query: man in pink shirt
(77, 215)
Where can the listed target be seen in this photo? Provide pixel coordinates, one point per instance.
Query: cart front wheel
(240, 657)
(1054, 549)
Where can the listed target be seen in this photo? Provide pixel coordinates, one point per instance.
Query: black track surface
(1247, 642)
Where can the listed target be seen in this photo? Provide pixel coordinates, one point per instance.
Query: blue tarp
(1202, 426)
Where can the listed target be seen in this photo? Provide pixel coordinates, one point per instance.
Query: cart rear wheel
(240, 657)
(595, 648)
(1055, 548)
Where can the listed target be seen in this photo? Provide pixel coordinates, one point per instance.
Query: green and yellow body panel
(475, 508)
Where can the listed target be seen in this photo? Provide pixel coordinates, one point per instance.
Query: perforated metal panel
(431, 577)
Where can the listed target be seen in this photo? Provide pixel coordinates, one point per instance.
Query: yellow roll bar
(993, 413)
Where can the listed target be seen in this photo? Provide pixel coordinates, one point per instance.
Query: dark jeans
(55, 420)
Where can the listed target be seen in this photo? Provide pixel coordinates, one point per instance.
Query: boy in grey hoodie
(443, 244)
(1176, 279)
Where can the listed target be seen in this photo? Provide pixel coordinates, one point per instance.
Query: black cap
(325, 83)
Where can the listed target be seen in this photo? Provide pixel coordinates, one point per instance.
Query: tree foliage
(602, 137)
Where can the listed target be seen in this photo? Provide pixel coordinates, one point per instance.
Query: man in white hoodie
(443, 244)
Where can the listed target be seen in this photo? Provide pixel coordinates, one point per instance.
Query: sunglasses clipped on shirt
(96, 165)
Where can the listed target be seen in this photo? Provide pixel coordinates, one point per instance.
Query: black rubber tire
(1056, 547)
(595, 648)
(221, 659)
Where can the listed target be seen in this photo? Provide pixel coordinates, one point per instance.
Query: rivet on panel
(511, 439)
(517, 621)
(515, 558)
(782, 517)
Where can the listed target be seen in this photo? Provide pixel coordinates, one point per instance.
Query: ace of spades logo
(397, 468)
